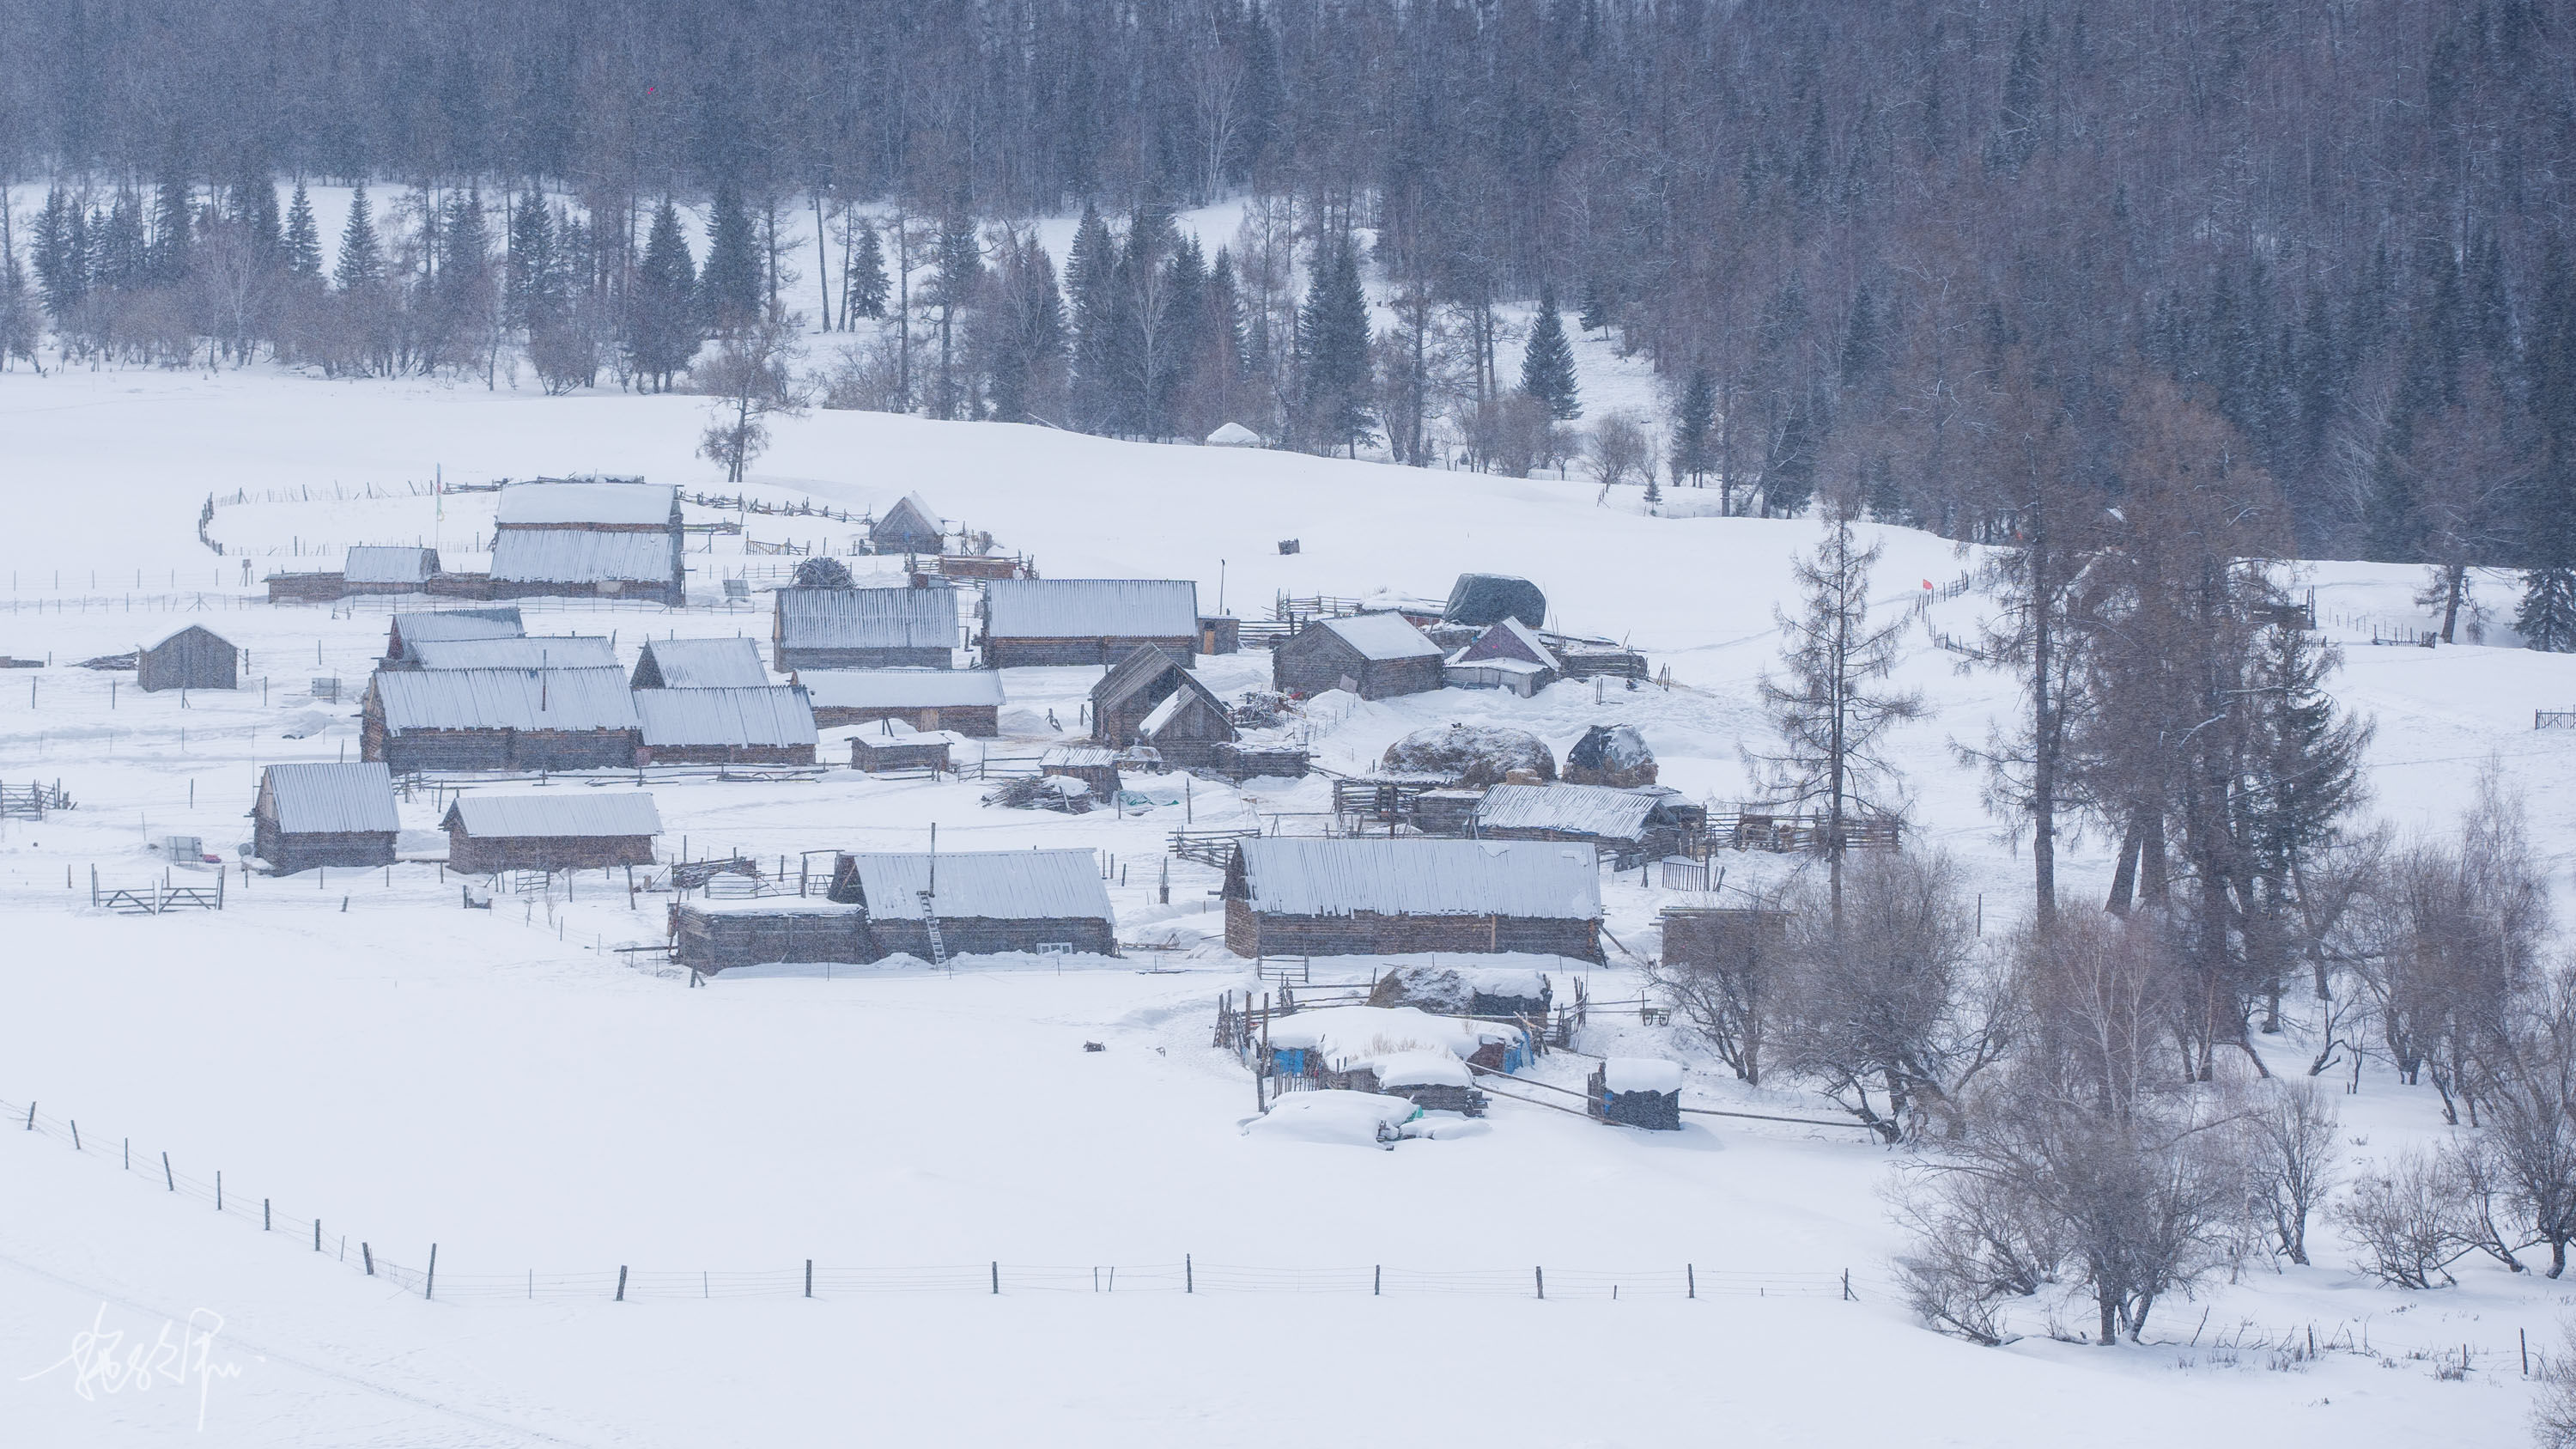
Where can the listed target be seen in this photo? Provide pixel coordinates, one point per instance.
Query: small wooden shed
(571, 829)
(1093, 765)
(968, 701)
(1375, 656)
(309, 815)
(908, 527)
(386, 569)
(718, 935)
(892, 747)
(1139, 685)
(1040, 901)
(1711, 936)
(700, 664)
(1507, 655)
(194, 658)
(1627, 826)
(1288, 896)
(1189, 730)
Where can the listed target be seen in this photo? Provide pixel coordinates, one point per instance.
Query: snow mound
(1470, 754)
(1612, 755)
(1455, 990)
(1641, 1074)
(1354, 1119)
(1446, 1126)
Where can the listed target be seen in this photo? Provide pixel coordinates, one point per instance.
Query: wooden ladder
(930, 922)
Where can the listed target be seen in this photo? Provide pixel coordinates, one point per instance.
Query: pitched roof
(380, 564)
(1543, 879)
(901, 688)
(910, 515)
(500, 623)
(771, 714)
(705, 663)
(333, 799)
(1002, 885)
(556, 813)
(519, 699)
(541, 651)
(1091, 609)
(1573, 809)
(1077, 757)
(571, 556)
(628, 504)
(1380, 637)
(1172, 706)
(893, 618)
(178, 634)
(1509, 640)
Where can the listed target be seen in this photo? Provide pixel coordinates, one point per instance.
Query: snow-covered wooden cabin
(910, 526)
(1375, 656)
(607, 538)
(768, 724)
(966, 701)
(700, 664)
(1039, 901)
(409, 631)
(309, 815)
(885, 628)
(194, 658)
(499, 719)
(387, 569)
(1347, 897)
(1088, 621)
(1627, 826)
(1508, 655)
(570, 829)
(1149, 687)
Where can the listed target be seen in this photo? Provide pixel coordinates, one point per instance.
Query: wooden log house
(1288, 896)
(1508, 655)
(499, 719)
(194, 658)
(575, 829)
(1039, 901)
(1035, 622)
(700, 664)
(769, 724)
(966, 701)
(908, 527)
(589, 538)
(324, 815)
(1150, 688)
(408, 631)
(898, 628)
(1628, 827)
(1375, 656)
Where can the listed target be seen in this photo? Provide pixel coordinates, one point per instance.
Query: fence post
(1690, 1277)
(621, 1282)
(997, 1277)
(219, 1189)
(369, 1255)
(317, 1235)
(1189, 1275)
(1541, 1274)
(429, 1289)
(263, 1215)
(1847, 1293)
(168, 1178)
(76, 1134)
(31, 1116)
(1377, 1280)
(809, 1277)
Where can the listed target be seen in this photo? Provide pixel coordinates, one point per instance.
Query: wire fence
(361, 1256)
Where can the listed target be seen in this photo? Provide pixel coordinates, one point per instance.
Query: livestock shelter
(968, 701)
(499, 719)
(1375, 656)
(1291, 896)
(579, 829)
(1190, 730)
(535, 651)
(700, 664)
(1031, 622)
(411, 630)
(770, 724)
(1042, 901)
(388, 569)
(908, 527)
(892, 746)
(309, 815)
(1637, 1092)
(1135, 687)
(718, 935)
(605, 538)
(1628, 826)
(910, 627)
(194, 658)
(1506, 655)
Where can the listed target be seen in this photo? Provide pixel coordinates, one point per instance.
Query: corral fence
(622, 1283)
(2553, 719)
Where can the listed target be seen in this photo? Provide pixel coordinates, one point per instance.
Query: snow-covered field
(502, 1085)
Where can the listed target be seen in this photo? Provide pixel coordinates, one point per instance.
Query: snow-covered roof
(559, 651)
(1574, 809)
(1641, 1074)
(518, 699)
(1091, 609)
(1234, 435)
(370, 563)
(620, 504)
(868, 618)
(572, 556)
(583, 812)
(1421, 1069)
(1508, 642)
(1356, 1119)
(333, 799)
(1077, 757)
(901, 688)
(1544, 879)
(417, 629)
(1000, 885)
(1163, 713)
(706, 663)
(1382, 636)
(1359, 1035)
(769, 714)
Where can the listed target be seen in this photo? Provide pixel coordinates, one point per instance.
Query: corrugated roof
(772, 714)
(707, 663)
(379, 564)
(333, 799)
(558, 813)
(629, 504)
(1545, 879)
(888, 618)
(901, 688)
(999, 885)
(458, 624)
(537, 651)
(1576, 809)
(1382, 636)
(1077, 757)
(571, 556)
(1091, 609)
(519, 699)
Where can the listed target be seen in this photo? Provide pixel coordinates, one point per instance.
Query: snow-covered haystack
(823, 573)
(1481, 599)
(1470, 754)
(1612, 755)
(1356, 1119)
(1465, 990)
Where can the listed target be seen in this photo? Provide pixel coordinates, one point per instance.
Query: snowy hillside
(359, 1049)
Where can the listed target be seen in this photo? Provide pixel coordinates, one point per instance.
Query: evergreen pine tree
(173, 222)
(2547, 617)
(1789, 475)
(957, 270)
(1184, 328)
(1695, 426)
(1862, 345)
(1090, 277)
(731, 286)
(61, 255)
(120, 253)
(1333, 352)
(362, 264)
(1547, 368)
(864, 285)
(254, 210)
(532, 274)
(662, 331)
(1596, 306)
(303, 237)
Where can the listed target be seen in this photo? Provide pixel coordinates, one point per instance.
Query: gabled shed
(194, 658)
(1091, 764)
(1506, 655)
(1628, 826)
(983, 901)
(1030, 622)
(700, 664)
(768, 725)
(411, 630)
(589, 538)
(1135, 687)
(1189, 729)
(1375, 656)
(908, 527)
(968, 701)
(578, 829)
(895, 628)
(1288, 896)
(309, 815)
(893, 747)
(499, 719)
